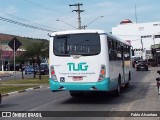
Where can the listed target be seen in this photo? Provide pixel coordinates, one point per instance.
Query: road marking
(48, 103)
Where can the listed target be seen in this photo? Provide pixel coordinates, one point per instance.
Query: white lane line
(48, 103)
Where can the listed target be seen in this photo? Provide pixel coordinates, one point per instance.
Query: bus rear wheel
(118, 90)
(129, 78)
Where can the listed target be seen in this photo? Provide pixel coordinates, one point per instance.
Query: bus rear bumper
(92, 86)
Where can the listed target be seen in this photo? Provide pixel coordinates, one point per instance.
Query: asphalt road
(141, 95)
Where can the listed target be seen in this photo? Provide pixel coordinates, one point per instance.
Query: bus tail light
(102, 73)
(53, 75)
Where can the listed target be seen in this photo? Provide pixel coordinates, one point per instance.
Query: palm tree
(37, 50)
(29, 55)
(20, 60)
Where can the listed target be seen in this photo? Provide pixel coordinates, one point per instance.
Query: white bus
(88, 60)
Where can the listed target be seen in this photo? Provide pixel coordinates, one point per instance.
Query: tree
(36, 50)
(20, 60)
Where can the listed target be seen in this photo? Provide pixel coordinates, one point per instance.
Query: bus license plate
(77, 78)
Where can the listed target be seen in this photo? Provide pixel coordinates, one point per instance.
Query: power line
(41, 6)
(51, 10)
(66, 15)
(66, 23)
(62, 2)
(24, 24)
(94, 20)
(25, 20)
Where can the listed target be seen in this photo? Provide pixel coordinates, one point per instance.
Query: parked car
(152, 62)
(142, 65)
(44, 69)
(30, 70)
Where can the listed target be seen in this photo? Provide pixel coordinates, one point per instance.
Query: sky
(45, 13)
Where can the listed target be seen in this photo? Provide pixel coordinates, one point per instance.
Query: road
(141, 95)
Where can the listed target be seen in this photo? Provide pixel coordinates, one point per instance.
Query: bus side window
(119, 54)
(129, 52)
(109, 48)
(114, 50)
(126, 52)
(122, 52)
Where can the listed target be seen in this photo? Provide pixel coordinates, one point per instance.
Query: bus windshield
(86, 44)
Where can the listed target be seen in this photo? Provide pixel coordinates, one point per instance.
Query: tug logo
(80, 67)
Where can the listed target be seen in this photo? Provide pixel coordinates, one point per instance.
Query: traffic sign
(14, 43)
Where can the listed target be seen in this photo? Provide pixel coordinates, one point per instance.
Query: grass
(44, 80)
(10, 85)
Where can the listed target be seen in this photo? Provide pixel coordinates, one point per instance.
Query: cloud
(10, 10)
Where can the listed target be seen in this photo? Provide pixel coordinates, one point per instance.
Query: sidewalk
(7, 73)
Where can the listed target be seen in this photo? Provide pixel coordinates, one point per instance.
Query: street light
(92, 21)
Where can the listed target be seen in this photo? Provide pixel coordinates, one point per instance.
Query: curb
(2, 76)
(21, 91)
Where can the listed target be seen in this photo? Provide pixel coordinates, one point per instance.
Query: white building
(139, 34)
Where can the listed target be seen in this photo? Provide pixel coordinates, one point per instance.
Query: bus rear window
(76, 44)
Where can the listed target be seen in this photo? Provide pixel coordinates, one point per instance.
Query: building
(140, 35)
(7, 54)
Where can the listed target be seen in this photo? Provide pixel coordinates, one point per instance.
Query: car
(29, 70)
(142, 65)
(44, 69)
(134, 61)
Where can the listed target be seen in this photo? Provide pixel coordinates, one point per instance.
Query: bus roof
(88, 31)
(77, 31)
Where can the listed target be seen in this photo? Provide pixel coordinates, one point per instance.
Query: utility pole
(142, 46)
(154, 40)
(79, 12)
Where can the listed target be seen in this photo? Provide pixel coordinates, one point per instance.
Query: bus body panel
(82, 73)
(82, 67)
(88, 86)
